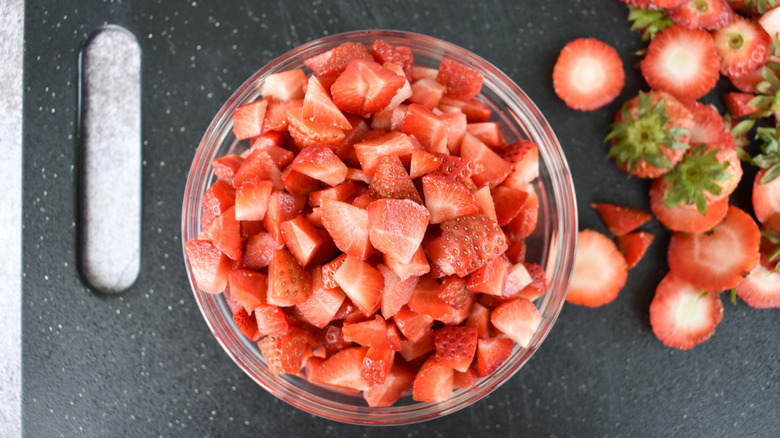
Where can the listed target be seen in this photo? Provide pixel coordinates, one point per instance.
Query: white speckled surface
(11, 17)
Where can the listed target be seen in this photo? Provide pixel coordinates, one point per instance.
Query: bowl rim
(564, 222)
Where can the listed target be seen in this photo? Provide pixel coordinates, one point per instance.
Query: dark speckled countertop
(145, 364)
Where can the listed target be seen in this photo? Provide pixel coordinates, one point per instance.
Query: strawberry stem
(698, 171)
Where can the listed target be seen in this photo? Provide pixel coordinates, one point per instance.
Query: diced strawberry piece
(365, 87)
(372, 332)
(398, 381)
(370, 152)
(737, 104)
(399, 55)
(414, 326)
(427, 92)
(742, 46)
(620, 219)
(289, 283)
(518, 318)
(396, 293)
(525, 222)
(258, 166)
(344, 192)
(496, 169)
(600, 270)
(462, 82)
(453, 291)
(248, 288)
(433, 382)
(718, 259)
(479, 319)
(361, 282)
(485, 242)
(425, 300)
(259, 250)
(420, 71)
(309, 245)
(708, 14)
(491, 353)
(490, 278)
(516, 251)
(298, 183)
(340, 57)
(247, 324)
(455, 346)
(272, 141)
(278, 114)
(397, 227)
(208, 264)
(271, 320)
(588, 74)
(389, 119)
(465, 379)
(252, 199)
(517, 278)
(422, 163)
(248, 119)
(426, 127)
(225, 234)
(284, 86)
(634, 246)
(695, 68)
(447, 199)
(392, 181)
(508, 203)
(538, 285)
(377, 364)
(475, 110)
(485, 201)
(332, 339)
(329, 269)
(348, 226)
(681, 315)
(341, 370)
(218, 197)
(307, 133)
(225, 167)
(319, 162)
(488, 133)
(761, 288)
(416, 267)
(456, 129)
(682, 217)
(318, 107)
(523, 156)
(766, 196)
(282, 206)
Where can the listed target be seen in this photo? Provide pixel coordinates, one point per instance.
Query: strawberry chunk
(414, 326)
(634, 246)
(469, 242)
(248, 119)
(681, 315)
(320, 163)
(365, 87)
(599, 273)
(252, 199)
(209, 265)
(508, 203)
(453, 291)
(427, 92)
(495, 168)
(371, 151)
(259, 250)
(289, 283)
(225, 234)
(384, 52)
(426, 127)
(398, 381)
(397, 227)
(391, 181)
(348, 226)
(248, 288)
(455, 346)
(396, 293)
(491, 353)
(588, 74)
(225, 167)
(518, 318)
(377, 364)
(284, 86)
(340, 370)
(340, 57)
(308, 244)
(523, 156)
(318, 107)
(447, 199)
(361, 282)
(620, 219)
(462, 82)
(433, 382)
(247, 324)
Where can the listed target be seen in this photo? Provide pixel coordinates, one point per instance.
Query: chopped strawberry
(433, 382)
(682, 217)
(284, 86)
(371, 151)
(344, 192)
(368, 333)
(248, 119)
(462, 82)
(485, 202)
(398, 381)
(323, 303)
(508, 203)
(365, 87)
(318, 107)
(396, 292)
(488, 133)
(469, 242)
(271, 320)
(384, 52)
(518, 318)
(422, 163)
(682, 62)
(427, 92)
(742, 46)
(760, 288)
(453, 291)
(307, 133)
(248, 288)
(425, 300)
(718, 259)
(209, 266)
(319, 162)
(455, 346)
(538, 285)
(391, 181)
(766, 196)
(416, 267)
(252, 199)
(225, 167)
(737, 104)
(308, 244)
(458, 168)
(620, 219)
(650, 134)
(516, 251)
(523, 156)
(524, 223)
(361, 282)
(278, 113)
(517, 279)
(681, 315)
(474, 109)
(634, 246)
(457, 124)
(247, 324)
(414, 326)
(377, 364)
(341, 369)
(348, 226)
(479, 318)
(588, 74)
(225, 234)
(492, 353)
(599, 272)
(218, 197)
(259, 250)
(447, 199)
(496, 169)
(411, 350)
(491, 278)
(704, 14)
(397, 227)
(426, 127)
(258, 166)
(289, 283)
(340, 58)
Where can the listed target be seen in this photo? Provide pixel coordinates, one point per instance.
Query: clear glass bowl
(552, 245)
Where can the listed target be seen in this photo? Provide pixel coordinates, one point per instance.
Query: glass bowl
(552, 244)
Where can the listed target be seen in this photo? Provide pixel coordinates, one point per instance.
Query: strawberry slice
(634, 246)
(761, 288)
(681, 315)
(462, 82)
(766, 196)
(704, 14)
(284, 86)
(208, 264)
(620, 219)
(742, 46)
(248, 119)
(361, 282)
(599, 272)
(318, 107)
(682, 62)
(469, 242)
(348, 226)
(517, 318)
(365, 87)
(446, 198)
(491, 353)
(588, 74)
(523, 156)
(455, 346)
(433, 382)
(289, 283)
(398, 381)
(718, 259)
(397, 227)
(391, 181)
(682, 217)
(320, 163)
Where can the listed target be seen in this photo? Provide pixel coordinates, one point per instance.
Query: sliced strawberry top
(588, 74)
(742, 46)
(705, 14)
(599, 273)
(716, 260)
(766, 197)
(682, 217)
